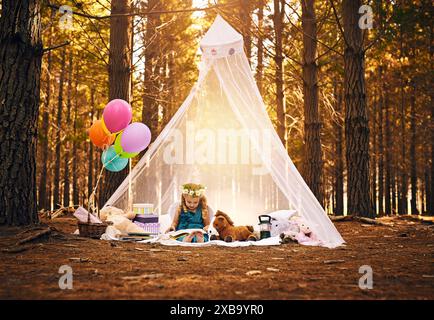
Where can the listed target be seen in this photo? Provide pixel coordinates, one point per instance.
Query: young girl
(192, 213)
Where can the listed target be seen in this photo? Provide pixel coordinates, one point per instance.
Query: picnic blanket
(167, 239)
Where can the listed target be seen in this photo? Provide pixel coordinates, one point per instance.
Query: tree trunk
(431, 200)
(151, 76)
(356, 119)
(75, 158)
(260, 66)
(20, 71)
(394, 187)
(413, 171)
(43, 202)
(91, 148)
(427, 191)
(380, 147)
(119, 77)
(375, 105)
(171, 81)
(339, 161)
(245, 11)
(388, 156)
(403, 190)
(279, 12)
(66, 187)
(313, 165)
(56, 195)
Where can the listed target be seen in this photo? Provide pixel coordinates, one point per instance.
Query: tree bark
(91, 148)
(20, 71)
(66, 183)
(119, 77)
(388, 178)
(245, 11)
(375, 105)
(403, 190)
(427, 191)
(43, 202)
(413, 170)
(171, 81)
(75, 158)
(56, 192)
(151, 76)
(431, 51)
(356, 118)
(339, 161)
(313, 164)
(380, 146)
(260, 66)
(279, 12)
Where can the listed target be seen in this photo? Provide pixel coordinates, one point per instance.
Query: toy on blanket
(299, 231)
(228, 232)
(121, 221)
(281, 222)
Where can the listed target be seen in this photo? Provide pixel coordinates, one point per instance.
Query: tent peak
(221, 39)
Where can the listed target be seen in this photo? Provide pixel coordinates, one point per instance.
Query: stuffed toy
(305, 234)
(299, 232)
(281, 222)
(288, 237)
(228, 232)
(121, 221)
(212, 232)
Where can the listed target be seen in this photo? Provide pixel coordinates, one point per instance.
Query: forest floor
(400, 255)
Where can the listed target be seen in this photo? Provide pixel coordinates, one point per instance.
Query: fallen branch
(333, 261)
(359, 219)
(35, 236)
(341, 218)
(371, 221)
(17, 249)
(415, 218)
(60, 211)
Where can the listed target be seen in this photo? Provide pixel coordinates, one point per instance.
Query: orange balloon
(99, 137)
(104, 127)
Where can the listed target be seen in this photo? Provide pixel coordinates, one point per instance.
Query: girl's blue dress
(191, 220)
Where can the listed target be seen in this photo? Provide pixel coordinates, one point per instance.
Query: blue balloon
(112, 161)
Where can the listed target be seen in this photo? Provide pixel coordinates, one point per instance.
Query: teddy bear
(228, 232)
(121, 221)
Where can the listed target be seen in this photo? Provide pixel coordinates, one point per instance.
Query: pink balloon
(136, 137)
(117, 115)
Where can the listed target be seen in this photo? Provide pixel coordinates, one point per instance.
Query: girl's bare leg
(199, 237)
(188, 238)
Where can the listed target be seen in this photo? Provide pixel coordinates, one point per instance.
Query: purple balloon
(117, 115)
(136, 137)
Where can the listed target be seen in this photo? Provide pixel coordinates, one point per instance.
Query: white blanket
(167, 241)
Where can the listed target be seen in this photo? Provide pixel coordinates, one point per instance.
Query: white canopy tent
(222, 137)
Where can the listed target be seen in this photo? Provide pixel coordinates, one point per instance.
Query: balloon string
(92, 195)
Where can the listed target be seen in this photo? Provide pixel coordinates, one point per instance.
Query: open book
(185, 232)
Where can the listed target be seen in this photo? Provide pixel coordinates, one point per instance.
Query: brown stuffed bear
(228, 232)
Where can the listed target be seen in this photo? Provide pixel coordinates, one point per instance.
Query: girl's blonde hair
(197, 189)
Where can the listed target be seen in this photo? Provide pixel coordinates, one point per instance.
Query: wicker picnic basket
(91, 230)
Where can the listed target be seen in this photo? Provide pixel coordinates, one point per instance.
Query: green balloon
(118, 148)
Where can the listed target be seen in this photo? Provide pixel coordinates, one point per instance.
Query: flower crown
(194, 190)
